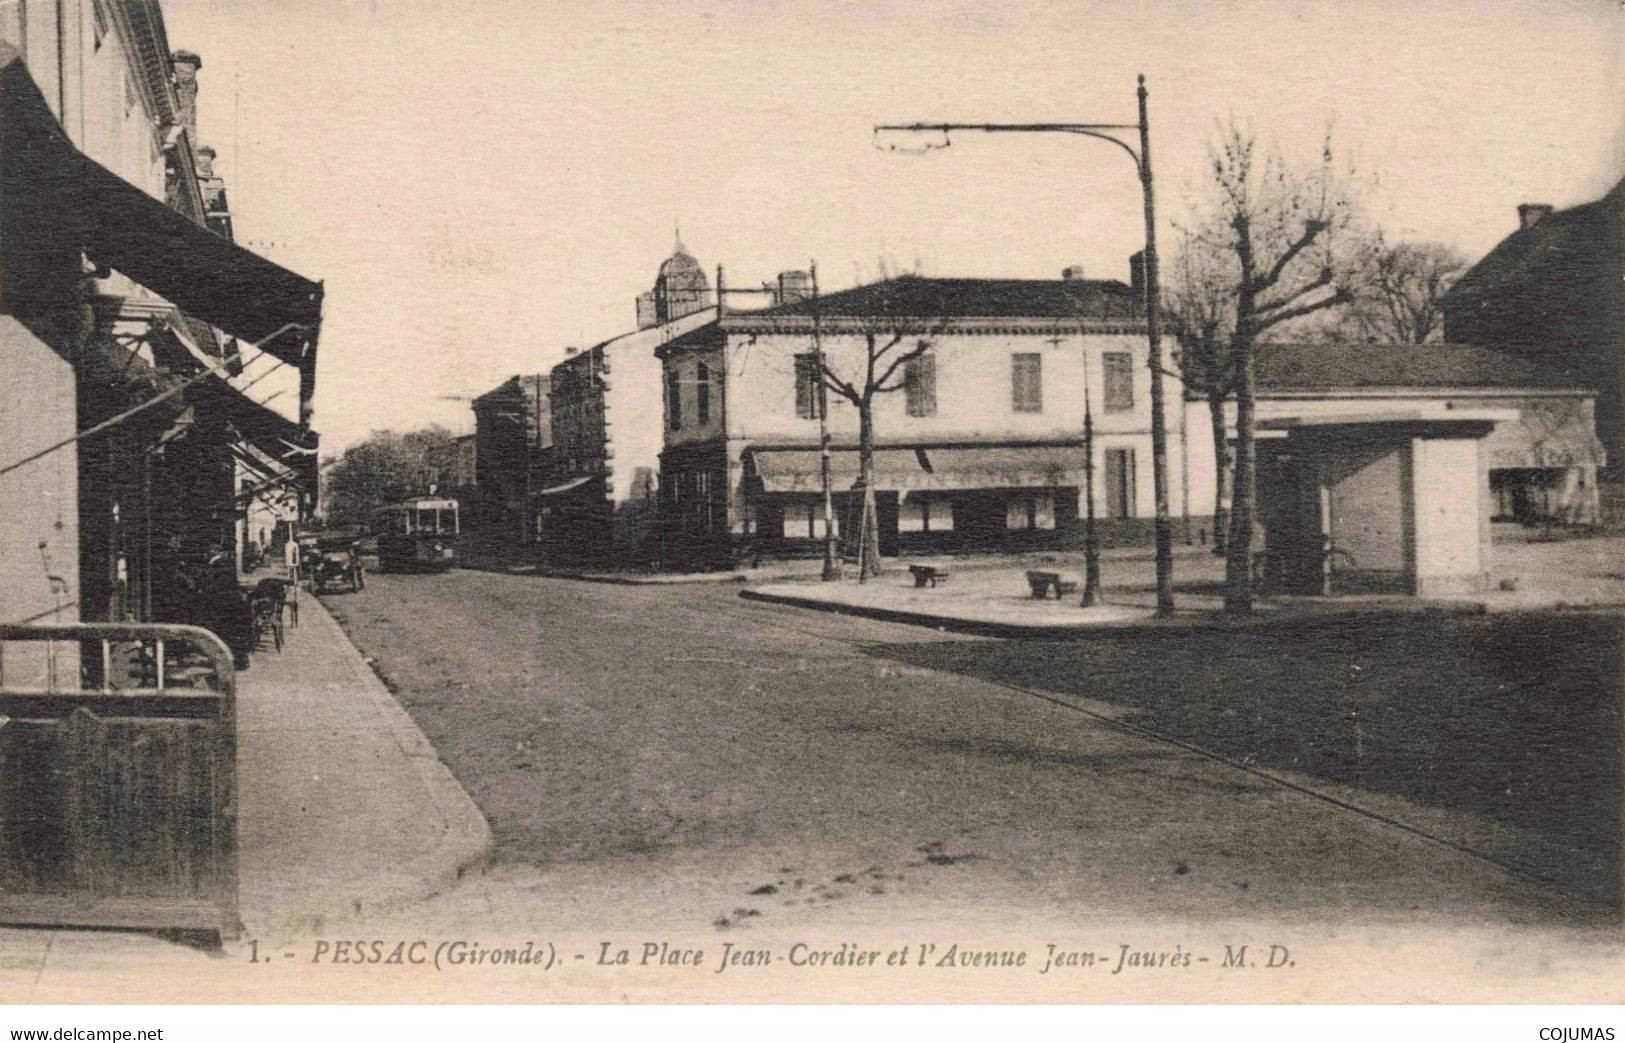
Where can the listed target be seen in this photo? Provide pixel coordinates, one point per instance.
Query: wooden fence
(118, 790)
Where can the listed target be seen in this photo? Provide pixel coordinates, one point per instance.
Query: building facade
(978, 444)
(601, 506)
(513, 444)
(1552, 293)
(118, 289)
(1547, 432)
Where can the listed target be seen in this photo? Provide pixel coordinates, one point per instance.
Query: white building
(601, 504)
(979, 445)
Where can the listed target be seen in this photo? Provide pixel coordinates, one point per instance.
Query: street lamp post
(1142, 163)
(831, 569)
(1091, 540)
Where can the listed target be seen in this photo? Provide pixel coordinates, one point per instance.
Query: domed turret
(681, 288)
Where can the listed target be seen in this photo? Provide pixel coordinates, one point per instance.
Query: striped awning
(797, 470)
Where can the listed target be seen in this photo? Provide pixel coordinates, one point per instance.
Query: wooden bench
(927, 575)
(1044, 582)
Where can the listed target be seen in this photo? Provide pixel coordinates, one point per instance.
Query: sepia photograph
(899, 502)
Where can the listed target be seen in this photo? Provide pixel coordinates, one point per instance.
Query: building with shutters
(980, 445)
(129, 458)
(599, 505)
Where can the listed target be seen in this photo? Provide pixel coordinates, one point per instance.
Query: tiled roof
(917, 296)
(1310, 366)
(1561, 245)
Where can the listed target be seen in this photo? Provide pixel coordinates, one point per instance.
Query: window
(920, 385)
(1119, 483)
(1119, 366)
(807, 386)
(920, 514)
(1030, 512)
(702, 394)
(1027, 382)
(674, 399)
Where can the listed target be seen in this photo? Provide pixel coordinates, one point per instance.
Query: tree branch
(1322, 280)
(1311, 231)
(1261, 323)
(919, 349)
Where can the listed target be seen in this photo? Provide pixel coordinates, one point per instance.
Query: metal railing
(118, 794)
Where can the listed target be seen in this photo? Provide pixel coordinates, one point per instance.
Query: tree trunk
(868, 530)
(1238, 575)
(1221, 472)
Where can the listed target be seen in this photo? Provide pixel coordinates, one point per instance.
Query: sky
(482, 184)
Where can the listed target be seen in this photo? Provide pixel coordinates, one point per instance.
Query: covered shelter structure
(1379, 502)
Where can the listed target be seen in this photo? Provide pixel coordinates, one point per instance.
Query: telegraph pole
(831, 571)
(1153, 336)
(1091, 539)
(1142, 164)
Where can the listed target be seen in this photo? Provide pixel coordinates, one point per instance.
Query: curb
(613, 578)
(465, 841)
(1206, 621)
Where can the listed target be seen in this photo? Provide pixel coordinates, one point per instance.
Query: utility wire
(148, 404)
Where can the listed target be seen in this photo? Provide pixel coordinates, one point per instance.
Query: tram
(418, 535)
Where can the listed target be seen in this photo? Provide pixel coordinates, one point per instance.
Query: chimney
(794, 286)
(1072, 272)
(1136, 273)
(185, 65)
(1531, 214)
(646, 311)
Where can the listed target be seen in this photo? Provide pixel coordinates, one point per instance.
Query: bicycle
(1331, 559)
(267, 601)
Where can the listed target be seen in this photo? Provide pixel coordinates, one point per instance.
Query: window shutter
(807, 386)
(928, 384)
(1119, 367)
(1026, 384)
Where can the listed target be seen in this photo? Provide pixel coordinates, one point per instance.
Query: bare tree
(1397, 296)
(1282, 243)
(1199, 310)
(888, 346)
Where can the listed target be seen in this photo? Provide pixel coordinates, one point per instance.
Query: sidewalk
(991, 597)
(344, 809)
(345, 806)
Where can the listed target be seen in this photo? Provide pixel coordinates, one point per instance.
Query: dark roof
(705, 335)
(916, 296)
(1561, 245)
(1310, 366)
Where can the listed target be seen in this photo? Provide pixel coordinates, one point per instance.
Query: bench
(1044, 582)
(927, 575)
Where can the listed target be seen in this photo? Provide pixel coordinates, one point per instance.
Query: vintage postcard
(892, 502)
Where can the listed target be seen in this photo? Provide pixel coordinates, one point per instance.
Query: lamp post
(1142, 163)
(832, 570)
(1091, 541)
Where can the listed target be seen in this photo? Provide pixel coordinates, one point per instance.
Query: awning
(119, 226)
(554, 490)
(283, 441)
(796, 470)
(799, 470)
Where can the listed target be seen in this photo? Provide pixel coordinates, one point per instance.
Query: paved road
(673, 758)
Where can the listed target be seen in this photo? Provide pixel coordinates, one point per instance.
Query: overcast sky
(483, 183)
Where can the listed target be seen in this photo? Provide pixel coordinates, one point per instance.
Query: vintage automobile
(337, 564)
(418, 535)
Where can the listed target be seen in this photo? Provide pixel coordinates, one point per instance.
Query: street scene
(841, 541)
